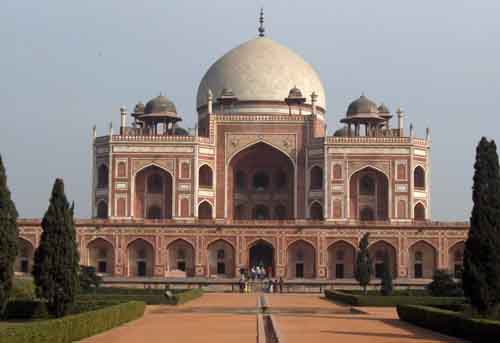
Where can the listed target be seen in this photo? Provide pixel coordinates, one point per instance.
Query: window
(102, 176)
(155, 183)
(316, 178)
(419, 212)
(316, 211)
(102, 210)
(367, 185)
(154, 212)
(367, 214)
(205, 176)
(419, 177)
(260, 181)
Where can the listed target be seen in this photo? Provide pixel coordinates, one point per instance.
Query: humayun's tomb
(259, 181)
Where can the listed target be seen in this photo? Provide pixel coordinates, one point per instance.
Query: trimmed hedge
(390, 301)
(156, 298)
(25, 309)
(73, 327)
(450, 323)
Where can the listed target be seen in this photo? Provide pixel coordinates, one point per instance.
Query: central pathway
(220, 318)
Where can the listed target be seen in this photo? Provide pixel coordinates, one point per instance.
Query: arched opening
(153, 193)
(369, 195)
(102, 176)
(419, 177)
(377, 252)
(423, 260)
(261, 212)
(140, 258)
(262, 254)
(270, 182)
(419, 212)
(101, 256)
(205, 210)
(205, 178)
(301, 257)
(316, 211)
(341, 260)
(24, 259)
(122, 169)
(180, 259)
(316, 178)
(102, 209)
(240, 212)
(456, 259)
(221, 259)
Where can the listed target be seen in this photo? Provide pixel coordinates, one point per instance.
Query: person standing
(281, 284)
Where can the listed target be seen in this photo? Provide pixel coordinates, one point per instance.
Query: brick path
(222, 318)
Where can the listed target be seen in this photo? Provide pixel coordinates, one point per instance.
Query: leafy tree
(387, 286)
(364, 268)
(89, 278)
(481, 273)
(443, 285)
(56, 259)
(8, 239)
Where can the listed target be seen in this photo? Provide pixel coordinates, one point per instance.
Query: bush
(390, 301)
(25, 309)
(450, 323)
(89, 278)
(154, 297)
(73, 327)
(443, 285)
(23, 289)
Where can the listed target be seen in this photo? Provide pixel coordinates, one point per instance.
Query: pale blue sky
(67, 65)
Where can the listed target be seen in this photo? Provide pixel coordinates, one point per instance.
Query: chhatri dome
(261, 70)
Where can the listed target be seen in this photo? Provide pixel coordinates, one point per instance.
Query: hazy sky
(67, 65)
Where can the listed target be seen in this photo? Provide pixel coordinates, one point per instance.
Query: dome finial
(261, 21)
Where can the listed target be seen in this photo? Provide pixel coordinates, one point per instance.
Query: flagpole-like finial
(261, 21)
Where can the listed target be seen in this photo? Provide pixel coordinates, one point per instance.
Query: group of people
(259, 273)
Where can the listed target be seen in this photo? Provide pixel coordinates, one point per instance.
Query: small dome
(139, 107)
(160, 104)
(383, 109)
(295, 93)
(342, 132)
(180, 131)
(362, 105)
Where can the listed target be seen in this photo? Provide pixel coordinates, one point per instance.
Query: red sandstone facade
(260, 182)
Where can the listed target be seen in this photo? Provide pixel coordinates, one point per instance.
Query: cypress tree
(481, 273)
(8, 239)
(387, 287)
(364, 268)
(56, 264)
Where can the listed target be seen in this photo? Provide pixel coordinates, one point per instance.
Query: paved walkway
(222, 318)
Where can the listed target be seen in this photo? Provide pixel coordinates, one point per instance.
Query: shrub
(154, 298)
(450, 323)
(25, 309)
(89, 278)
(387, 286)
(23, 289)
(390, 301)
(443, 285)
(73, 327)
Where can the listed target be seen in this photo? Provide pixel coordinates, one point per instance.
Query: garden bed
(450, 323)
(390, 301)
(149, 296)
(72, 327)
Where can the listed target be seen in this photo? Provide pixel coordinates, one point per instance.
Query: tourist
(253, 273)
(281, 284)
(271, 285)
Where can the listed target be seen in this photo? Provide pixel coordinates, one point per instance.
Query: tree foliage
(443, 285)
(56, 264)
(89, 278)
(481, 273)
(364, 268)
(387, 286)
(8, 239)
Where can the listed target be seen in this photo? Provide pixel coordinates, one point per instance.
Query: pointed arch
(422, 259)
(301, 260)
(341, 259)
(141, 258)
(101, 255)
(419, 211)
(419, 180)
(153, 192)
(102, 176)
(205, 176)
(205, 210)
(377, 249)
(24, 258)
(180, 257)
(221, 258)
(369, 191)
(102, 209)
(316, 210)
(316, 177)
(455, 258)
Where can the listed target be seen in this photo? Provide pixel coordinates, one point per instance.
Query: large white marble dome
(261, 70)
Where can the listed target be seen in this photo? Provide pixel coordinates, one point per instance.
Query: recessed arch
(455, 258)
(419, 180)
(221, 258)
(316, 210)
(102, 209)
(369, 194)
(262, 164)
(205, 210)
(419, 211)
(422, 259)
(24, 258)
(140, 254)
(205, 176)
(153, 195)
(341, 260)
(301, 260)
(102, 176)
(101, 255)
(316, 177)
(261, 253)
(377, 249)
(180, 258)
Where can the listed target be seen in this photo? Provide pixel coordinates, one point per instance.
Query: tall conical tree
(56, 264)
(481, 273)
(387, 286)
(364, 268)
(8, 239)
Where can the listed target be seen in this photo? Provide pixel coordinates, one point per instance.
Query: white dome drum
(261, 70)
